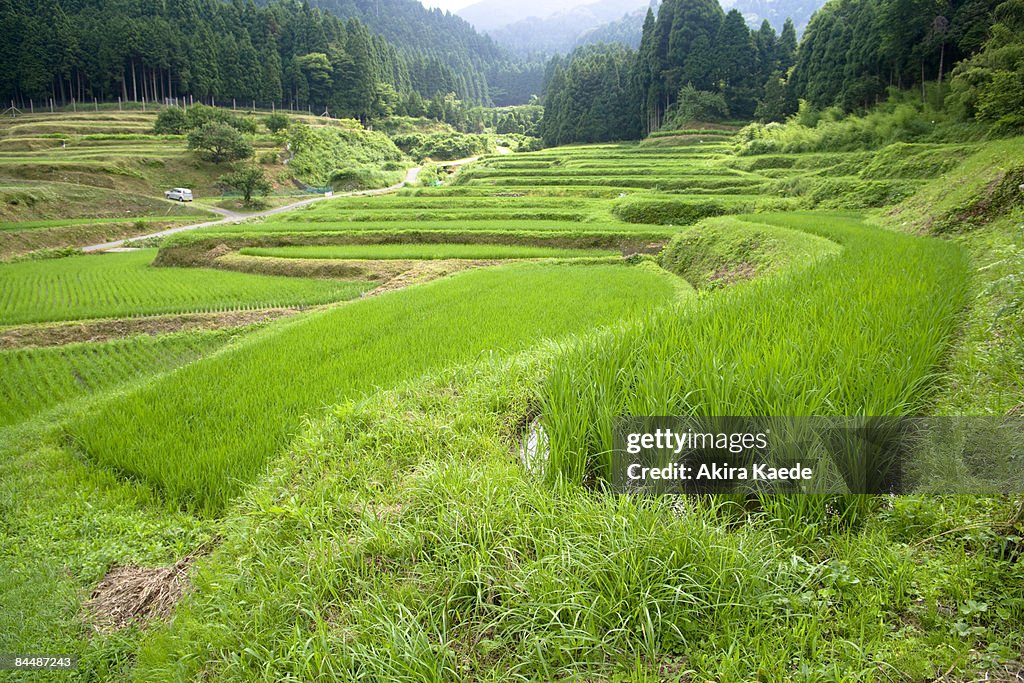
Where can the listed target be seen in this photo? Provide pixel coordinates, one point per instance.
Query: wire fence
(18, 107)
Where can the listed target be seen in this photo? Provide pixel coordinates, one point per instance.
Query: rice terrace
(354, 406)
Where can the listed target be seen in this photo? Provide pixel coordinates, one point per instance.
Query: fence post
(119, 103)
(31, 107)
(96, 104)
(74, 105)
(51, 105)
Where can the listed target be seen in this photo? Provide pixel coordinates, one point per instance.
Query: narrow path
(231, 217)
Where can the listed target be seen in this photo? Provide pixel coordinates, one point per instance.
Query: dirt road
(233, 217)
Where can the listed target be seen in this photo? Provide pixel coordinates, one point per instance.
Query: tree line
(284, 52)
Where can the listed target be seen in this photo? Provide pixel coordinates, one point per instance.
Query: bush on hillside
(276, 122)
(443, 146)
(218, 143)
(903, 118)
(178, 121)
(325, 153)
(249, 180)
(171, 121)
(696, 105)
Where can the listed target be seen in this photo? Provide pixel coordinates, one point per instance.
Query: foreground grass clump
(124, 285)
(36, 379)
(860, 334)
(722, 251)
(223, 417)
(364, 252)
(400, 542)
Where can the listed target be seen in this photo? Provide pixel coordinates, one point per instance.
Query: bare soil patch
(58, 334)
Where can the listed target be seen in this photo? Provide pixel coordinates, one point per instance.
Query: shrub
(322, 153)
(249, 180)
(276, 122)
(218, 142)
(171, 121)
(696, 105)
(442, 146)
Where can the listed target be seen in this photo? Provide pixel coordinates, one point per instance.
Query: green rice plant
(862, 334)
(35, 379)
(200, 433)
(125, 285)
(425, 252)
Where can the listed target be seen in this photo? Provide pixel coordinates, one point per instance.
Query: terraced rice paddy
(37, 379)
(124, 285)
(425, 252)
(223, 418)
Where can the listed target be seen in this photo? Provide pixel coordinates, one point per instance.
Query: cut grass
(124, 285)
(224, 417)
(425, 252)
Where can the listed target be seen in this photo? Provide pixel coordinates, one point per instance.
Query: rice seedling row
(37, 379)
(223, 417)
(125, 285)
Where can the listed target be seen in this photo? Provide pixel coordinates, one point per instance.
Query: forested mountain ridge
(696, 62)
(493, 74)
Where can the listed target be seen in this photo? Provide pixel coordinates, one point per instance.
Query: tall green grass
(863, 334)
(124, 285)
(201, 433)
(400, 542)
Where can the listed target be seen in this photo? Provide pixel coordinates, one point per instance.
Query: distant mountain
(489, 15)
(626, 31)
(408, 24)
(775, 11)
(559, 32)
(537, 29)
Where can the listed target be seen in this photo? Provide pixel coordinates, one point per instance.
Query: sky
(450, 5)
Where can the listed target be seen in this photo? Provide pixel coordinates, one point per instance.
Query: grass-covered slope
(224, 417)
(722, 251)
(390, 546)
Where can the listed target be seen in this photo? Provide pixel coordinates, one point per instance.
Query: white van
(179, 194)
